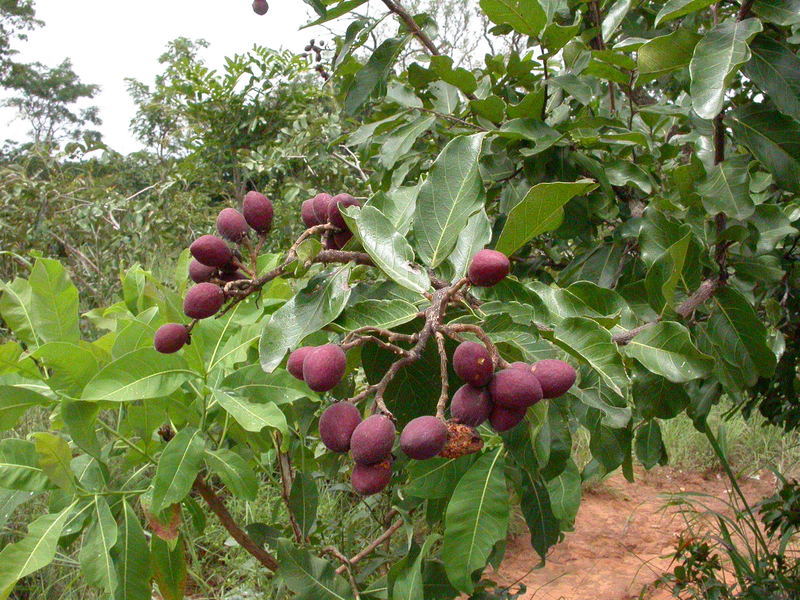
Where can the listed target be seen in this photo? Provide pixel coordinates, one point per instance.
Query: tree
(16, 17)
(619, 194)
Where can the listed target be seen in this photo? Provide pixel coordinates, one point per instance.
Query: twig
(373, 544)
(285, 468)
(346, 564)
(454, 328)
(445, 393)
(449, 118)
(409, 21)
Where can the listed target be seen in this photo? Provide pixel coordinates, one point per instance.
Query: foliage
(635, 161)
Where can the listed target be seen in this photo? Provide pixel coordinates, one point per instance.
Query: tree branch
(395, 7)
(372, 545)
(285, 469)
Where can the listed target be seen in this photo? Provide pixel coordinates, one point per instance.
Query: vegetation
(589, 234)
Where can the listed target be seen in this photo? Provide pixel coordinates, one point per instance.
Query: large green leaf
(15, 401)
(19, 467)
(673, 9)
(435, 478)
(143, 373)
(309, 577)
(278, 387)
(403, 139)
(540, 210)
(667, 350)
(565, 494)
(132, 558)
(70, 366)
(716, 59)
(36, 550)
(780, 12)
(54, 459)
(405, 576)
(450, 195)
(775, 68)
(95, 554)
(474, 237)
(15, 308)
(177, 468)
(234, 471)
(303, 501)
(663, 276)
(587, 340)
(649, 445)
(476, 519)
(168, 562)
(655, 396)
(385, 314)
(313, 307)
(525, 16)
(54, 302)
(373, 74)
(666, 53)
(773, 138)
(726, 189)
(390, 250)
(252, 416)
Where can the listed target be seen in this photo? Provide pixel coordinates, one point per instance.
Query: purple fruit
(334, 214)
(198, 272)
(295, 363)
(515, 388)
(470, 405)
(260, 7)
(323, 368)
(423, 438)
(473, 363)
(231, 225)
(307, 213)
(371, 479)
(554, 376)
(336, 426)
(372, 440)
(258, 211)
(170, 338)
(488, 268)
(321, 204)
(503, 419)
(211, 251)
(203, 301)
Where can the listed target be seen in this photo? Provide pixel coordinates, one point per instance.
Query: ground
(622, 537)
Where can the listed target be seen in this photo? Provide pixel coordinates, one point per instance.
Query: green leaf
(54, 459)
(316, 305)
(665, 53)
(780, 12)
(449, 196)
(234, 472)
(474, 237)
(36, 550)
(131, 557)
(614, 18)
(278, 387)
(54, 302)
(79, 418)
(476, 519)
(674, 9)
(15, 401)
(775, 69)
(773, 226)
(385, 314)
(459, 77)
(403, 139)
(168, 563)
(726, 189)
(434, 478)
(666, 349)
(303, 501)
(405, 577)
(663, 276)
(565, 494)
(335, 12)
(540, 210)
(143, 373)
(524, 16)
(373, 74)
(655, 396)
(772, 137)
(492, 108)
(615, 413)
(177, 468)
(15, 308)
(309, 577)
(19, 467)
(649, 445)
(70, 366)
(390, 250)
(252, 416)
(716, 59)
(588, 341)
(95, 554)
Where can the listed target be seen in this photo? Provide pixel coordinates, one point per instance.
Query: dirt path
(621, 535)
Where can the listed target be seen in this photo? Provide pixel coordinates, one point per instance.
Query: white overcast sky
(109, 40)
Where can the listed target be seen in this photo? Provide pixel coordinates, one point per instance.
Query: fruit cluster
(325, 209)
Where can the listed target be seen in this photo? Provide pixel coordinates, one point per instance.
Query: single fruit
(470, 405)
(555, 377)
(231, 225)
(198, 272)
(423, 438)
(260, 7)
(488, 268)
(170, 338)
(258, 211)
(307, 213)
(515, 388)
(324, 367)
(473, 363)
(371, 479)
(295, 363)
(321, 204)
(334, 214)
(211, 251)
(336, 426)
(519, 365)
(203, 301)
(372, 440)
(503, 419)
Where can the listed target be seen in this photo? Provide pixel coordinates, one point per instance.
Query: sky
(109, 40)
